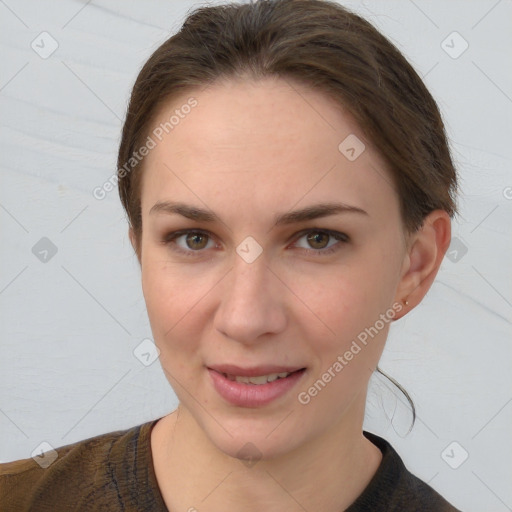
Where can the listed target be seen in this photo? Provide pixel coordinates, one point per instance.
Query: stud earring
(405, 302)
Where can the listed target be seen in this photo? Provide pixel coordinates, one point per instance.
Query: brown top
(115, 472)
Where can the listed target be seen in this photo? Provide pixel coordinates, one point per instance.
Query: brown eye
(320, 242)
(189, 242)
(196, 241)
(318, 239)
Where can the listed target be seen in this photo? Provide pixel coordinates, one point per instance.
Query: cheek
(168, 290)
(346, 353)
(172, 299)
(172, 308)
(352, 306)
(157, 295)
(343, 299)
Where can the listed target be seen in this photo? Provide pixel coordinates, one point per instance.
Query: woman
(289, 190)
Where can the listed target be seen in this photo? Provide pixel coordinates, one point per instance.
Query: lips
(233, 383)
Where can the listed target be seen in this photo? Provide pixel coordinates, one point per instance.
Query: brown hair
(317, 43)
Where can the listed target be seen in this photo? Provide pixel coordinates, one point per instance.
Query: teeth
(262, 379)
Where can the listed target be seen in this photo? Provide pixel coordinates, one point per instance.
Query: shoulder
(79, 473)
(395, 488)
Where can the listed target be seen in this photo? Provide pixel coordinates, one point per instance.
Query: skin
(248, 151)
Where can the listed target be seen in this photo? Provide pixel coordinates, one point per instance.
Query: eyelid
(333, 233)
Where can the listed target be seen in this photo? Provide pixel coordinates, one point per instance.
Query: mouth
(259, 379)
(254, 387)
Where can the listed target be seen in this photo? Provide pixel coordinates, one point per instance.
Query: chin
(252, 439)
(251, 449)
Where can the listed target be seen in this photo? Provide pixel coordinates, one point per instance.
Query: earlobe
(425, 254)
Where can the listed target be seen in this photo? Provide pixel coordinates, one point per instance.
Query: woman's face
(314, 291)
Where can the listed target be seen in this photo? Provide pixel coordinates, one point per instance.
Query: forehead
(263, 139)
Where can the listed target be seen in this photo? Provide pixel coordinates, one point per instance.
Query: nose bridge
(249, 304)
(249, 277)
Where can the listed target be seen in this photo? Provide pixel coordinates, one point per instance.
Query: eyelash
(341, 237)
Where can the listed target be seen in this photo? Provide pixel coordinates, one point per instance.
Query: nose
(252, 302)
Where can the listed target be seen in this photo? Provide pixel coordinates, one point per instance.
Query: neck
(340, 463)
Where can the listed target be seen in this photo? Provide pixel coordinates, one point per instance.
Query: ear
(425, 252)
(133, 240)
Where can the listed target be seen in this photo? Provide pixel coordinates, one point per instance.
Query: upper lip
(254, 371)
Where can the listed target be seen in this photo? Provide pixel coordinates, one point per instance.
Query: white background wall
(69, 325)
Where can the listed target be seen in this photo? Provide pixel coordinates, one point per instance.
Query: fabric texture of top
(115, 472)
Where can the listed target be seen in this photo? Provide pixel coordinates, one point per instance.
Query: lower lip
(252, 395)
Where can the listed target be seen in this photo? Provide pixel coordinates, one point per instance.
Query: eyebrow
(309, 213)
